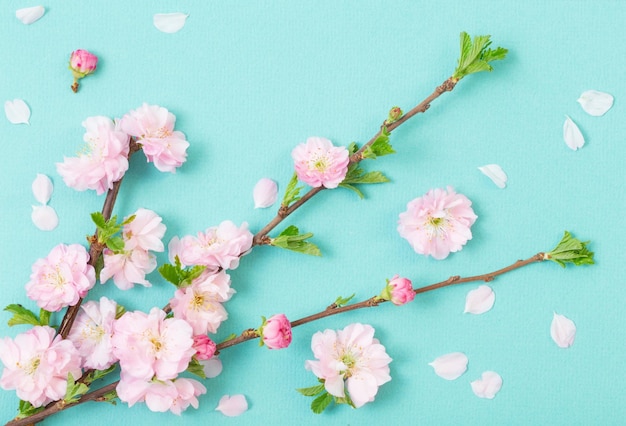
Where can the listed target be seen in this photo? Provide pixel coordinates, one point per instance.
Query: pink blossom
(92, 333)
(145, 231)
(205, 347)
(319, 163)
(37, 364)
(103, 161)
(399, 291)
(151, 345)
(127, 268)
(350, 359)
(276, 332)
(83, 62)
(218, 247)
(200, 304)
(437, 223)
(153, 126)
(62, 278)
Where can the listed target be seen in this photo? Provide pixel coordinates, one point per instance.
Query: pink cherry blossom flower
(37, 364)
(399, 291)
(104, 160)
(62, 278)
(350, 359)
(145, 231)
(437, 223)
(276, 332)
(151, 345)
(319, 163)
(92, 333)
(200, 304)
(153, 126)
(218, 247)
(127, 268)
(82, 63)
(161, 395)
(205, 347)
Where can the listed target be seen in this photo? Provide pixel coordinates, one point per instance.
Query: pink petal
(265, 193)
(212, 367)
(562, 331)
(44, 218)
(488, 385)
(232, 406)
(479, 300)
(42, 188)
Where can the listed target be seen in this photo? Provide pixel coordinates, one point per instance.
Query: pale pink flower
(200, 304)
(127, 268)
(205, 347)
(276, 332)
(145, 231)
(151, 345)
(37, 364)
(104, 160)
(319, 163)
(218, 247)
(399, 291)
(161, 395)
(92, 333)
(62, 278)
(153, 126)
(350, 359)
(437, 223)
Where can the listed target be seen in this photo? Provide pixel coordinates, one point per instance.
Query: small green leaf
(353, 188)
(21, 315)
(196, 368)
(44, 317)
(476, 55)
(109, 397)
(74, 390)
(311, 391)
(170, 273)
(342, 301)
(291, 239)
(98, 374)
(129, 219)
(380, 147)
(99, 220)
(320, 403)
(292, 193)
(115, 244)
(26, 409)
(290, 231)
(571, 250)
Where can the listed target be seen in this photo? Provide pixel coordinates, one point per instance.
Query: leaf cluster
(323, 398)
(476, 55)
(108, 230)
(356, 175)
(571, 250)
(21, 315)
(292, 193)
(291, 239)
(179, 276)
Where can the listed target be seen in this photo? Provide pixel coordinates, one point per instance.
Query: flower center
(31, 366)
(437, 227)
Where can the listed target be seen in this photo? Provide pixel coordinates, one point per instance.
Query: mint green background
(247, 82)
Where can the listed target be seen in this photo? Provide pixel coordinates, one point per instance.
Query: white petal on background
(265, 193)
(595, 103)
(495, 173)
(211, 367)
(572, 135)
(42, 188)
(479, 300)
(232, 406)
(488, 385)
(28, 15)
(17, 111)
(450, 366)
(169, 22)
(44, 218)
(563, 331)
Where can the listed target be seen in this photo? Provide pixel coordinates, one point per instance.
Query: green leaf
(353, 188)
(115, 244)
(99, 220)
(311, 391)
(571, 250)
(170, 273)
(342, 301)
(380, 147)
(290, 231)
(26, 409)
(356, 175)
(74, 390)
(196, 368)
(292, 193)
(21, 315)
(98, 374)
(129, 219)
(320, 403)
(109, 397)
(291, 239)
(179, 276)
(476, 55)
(44, 317)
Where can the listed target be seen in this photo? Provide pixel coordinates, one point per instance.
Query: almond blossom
(161, 395)
(350, 359)
(399, 291)
(276, 332)
(319, 163)
(145, 231)
(37, 364)
(204, 346)
(437, 223)
(103, 161)
(62, 278)
(153, 126)
(127, 268)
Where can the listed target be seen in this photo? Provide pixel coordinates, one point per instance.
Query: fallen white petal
(42, 188)
(595, 103)
(265, 193)
(450, 366)
(495, 173)
(169, 22)
(17, 111)
(28, 15)
(572, 135)
(563, 331)
(211, 367)
(232, 406)
(479, 300)
(44, 218)
(488, 385)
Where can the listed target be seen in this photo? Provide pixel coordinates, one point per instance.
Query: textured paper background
(247, 82)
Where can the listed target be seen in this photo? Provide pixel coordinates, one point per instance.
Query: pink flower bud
(276, 332)
(394, 115)
(82, 63)
(205, 347)
(399, 291)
